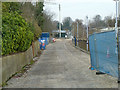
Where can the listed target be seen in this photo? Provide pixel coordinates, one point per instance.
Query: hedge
(17, 35)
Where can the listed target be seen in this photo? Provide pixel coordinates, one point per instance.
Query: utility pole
(116, 27)
(117, 37)
(60, 20)
(77, 34)
(73, 31)
(59, 15)
(87, 30)
(118, 34)
(116, 18)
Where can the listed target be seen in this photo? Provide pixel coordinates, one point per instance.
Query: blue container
(46, 40)
(42, 43)
(45, 36)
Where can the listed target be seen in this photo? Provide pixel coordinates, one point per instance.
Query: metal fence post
(97, 62)
(75, 40)
(119, 56)
(77, 34)
(87, 31)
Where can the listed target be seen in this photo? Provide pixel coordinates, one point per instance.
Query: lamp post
(118, 35)
(73, 31)
(77, 33)
(60, 20)
(87, 30)
(119, 55)
(116, 27)
(51, 3)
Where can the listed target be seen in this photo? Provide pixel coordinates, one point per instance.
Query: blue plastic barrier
(42, 43)
(46, 40)
(45, 36)
(104, 52)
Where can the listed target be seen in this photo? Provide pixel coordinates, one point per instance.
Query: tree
(48, 24)
(109, 21)
(80, 21)
(97, 18)
(81, 29)
(97, 22)
(67, 22)
(29, 13)
(11, 7)
(39, 14)
(17, 34)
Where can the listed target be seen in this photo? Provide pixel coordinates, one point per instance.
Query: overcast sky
(81, 8)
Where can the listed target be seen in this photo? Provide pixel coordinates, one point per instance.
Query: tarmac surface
(62, 66)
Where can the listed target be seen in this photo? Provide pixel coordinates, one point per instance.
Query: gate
(104, 52)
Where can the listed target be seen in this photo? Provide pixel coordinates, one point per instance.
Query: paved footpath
(62, 66)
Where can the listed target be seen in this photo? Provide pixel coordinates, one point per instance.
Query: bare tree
(48, 24)
(67, 22)
(98, 23)
(81, 29)
(109, 21)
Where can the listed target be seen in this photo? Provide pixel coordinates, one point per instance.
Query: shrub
(17, 35)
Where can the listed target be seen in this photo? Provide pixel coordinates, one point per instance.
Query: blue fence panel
(92, 51)
(104, 53)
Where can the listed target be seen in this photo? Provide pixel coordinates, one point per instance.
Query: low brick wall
(14, 63)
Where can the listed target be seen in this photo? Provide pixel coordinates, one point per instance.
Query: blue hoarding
(104, 52)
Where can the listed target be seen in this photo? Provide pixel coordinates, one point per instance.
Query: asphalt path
(62, 66)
